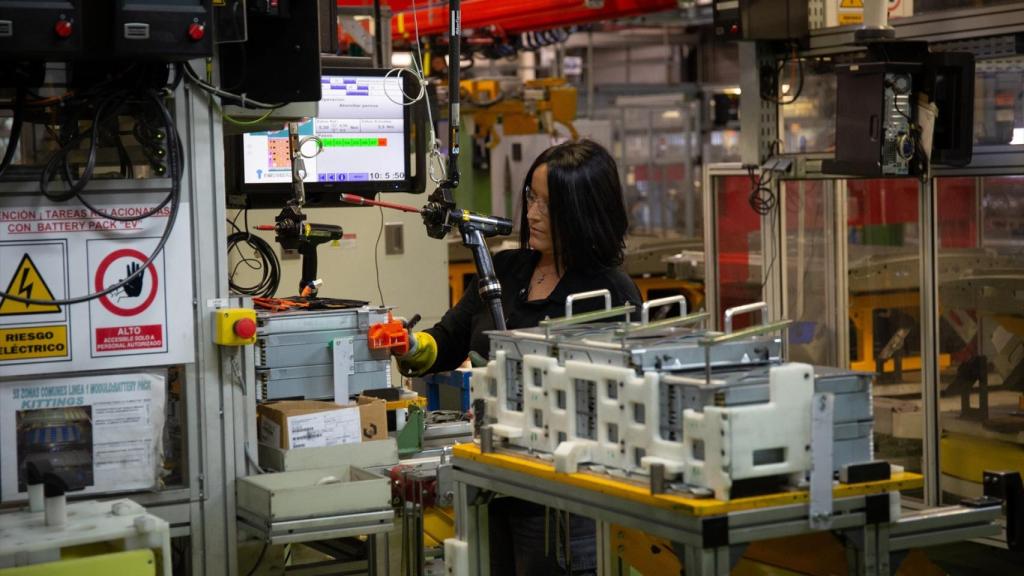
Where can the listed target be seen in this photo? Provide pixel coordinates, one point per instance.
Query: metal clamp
(586, 296)
(714, 339)
(646, 309)
(731, 313)
(629, 329)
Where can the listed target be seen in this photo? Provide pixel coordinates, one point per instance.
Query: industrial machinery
(690, 444)
(664, 400)
(544, 103)
(319, 354)
(294, 233)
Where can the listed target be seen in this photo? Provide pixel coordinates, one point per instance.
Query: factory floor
(962, 559)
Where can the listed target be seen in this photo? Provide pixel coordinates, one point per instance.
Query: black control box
(40, 30)
(162, 29)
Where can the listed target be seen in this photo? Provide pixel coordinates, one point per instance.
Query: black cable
(15, 137)
(244, 102)
(772, 224)
(151, 212)
(175, 161)
(259, 559)
(762, 198)
(61, 157)
(233, 221)
(265, 260)
(770, 91)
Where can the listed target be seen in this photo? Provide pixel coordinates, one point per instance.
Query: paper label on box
(324, 428)
(270, 433)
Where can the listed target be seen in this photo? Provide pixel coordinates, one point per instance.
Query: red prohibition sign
(102, 271)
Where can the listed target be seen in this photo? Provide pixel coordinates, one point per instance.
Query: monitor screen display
(361, 125)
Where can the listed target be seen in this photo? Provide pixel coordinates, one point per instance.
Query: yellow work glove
(421, 355)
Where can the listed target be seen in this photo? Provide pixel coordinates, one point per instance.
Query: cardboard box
(373, 415)
(290, 424)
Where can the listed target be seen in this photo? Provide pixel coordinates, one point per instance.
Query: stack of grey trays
(691, 374)
(295, 352)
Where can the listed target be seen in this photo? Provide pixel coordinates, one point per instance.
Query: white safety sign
(102, 432)
(55, 251)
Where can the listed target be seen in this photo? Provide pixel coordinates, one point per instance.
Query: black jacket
(462, 328)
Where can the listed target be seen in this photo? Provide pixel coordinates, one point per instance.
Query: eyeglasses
(533, 199)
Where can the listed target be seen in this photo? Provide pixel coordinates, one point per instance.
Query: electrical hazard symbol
(27, 283)
(33, 332)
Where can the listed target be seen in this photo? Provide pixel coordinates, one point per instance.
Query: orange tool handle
(391, 335)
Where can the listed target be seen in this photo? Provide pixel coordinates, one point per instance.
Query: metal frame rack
(219, 394)
(709, 537)
(217, 432)
(988, 32)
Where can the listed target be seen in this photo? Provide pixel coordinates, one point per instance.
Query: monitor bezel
(328, 193)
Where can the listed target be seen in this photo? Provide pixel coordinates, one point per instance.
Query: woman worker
(572, 236)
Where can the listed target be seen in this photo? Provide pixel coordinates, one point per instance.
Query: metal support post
(607, 559)
(706, 561)
(930, 340)
(710, 247)
(217, 434)
(471, 528)
(836, 273)
(689, 188)
(377, 555)
(774, 261)
(822, 427)
(759, 119)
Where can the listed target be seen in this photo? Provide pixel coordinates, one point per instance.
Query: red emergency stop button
(63, 28)
(196, 31)
(244, 328)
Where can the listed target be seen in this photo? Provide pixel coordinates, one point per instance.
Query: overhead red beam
(521, 14)
(395, 5)
(565, 18)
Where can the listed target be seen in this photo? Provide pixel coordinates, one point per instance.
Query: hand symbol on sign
(134, 287)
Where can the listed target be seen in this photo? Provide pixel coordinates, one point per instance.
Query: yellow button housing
(234, 326)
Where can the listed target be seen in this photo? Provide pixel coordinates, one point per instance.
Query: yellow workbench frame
(710, 535)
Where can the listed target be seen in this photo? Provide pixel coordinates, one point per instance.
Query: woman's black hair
(585, 205)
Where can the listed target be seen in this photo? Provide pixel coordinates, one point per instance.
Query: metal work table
(710, 535)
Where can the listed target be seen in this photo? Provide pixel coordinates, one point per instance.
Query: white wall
(414, 282)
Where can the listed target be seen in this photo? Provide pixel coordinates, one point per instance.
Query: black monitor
(366, 137)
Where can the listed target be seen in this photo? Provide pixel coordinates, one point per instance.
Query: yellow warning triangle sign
(27, 283)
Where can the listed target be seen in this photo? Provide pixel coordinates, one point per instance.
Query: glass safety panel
(807, 107)
(998, 109)
(810, 250)
(981, 300)
(657, 147)
(739, 259)
(884, 280)
(932, 6)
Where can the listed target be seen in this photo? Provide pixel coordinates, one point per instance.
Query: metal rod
(378, 37)
(359, 200)
(929, 271)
